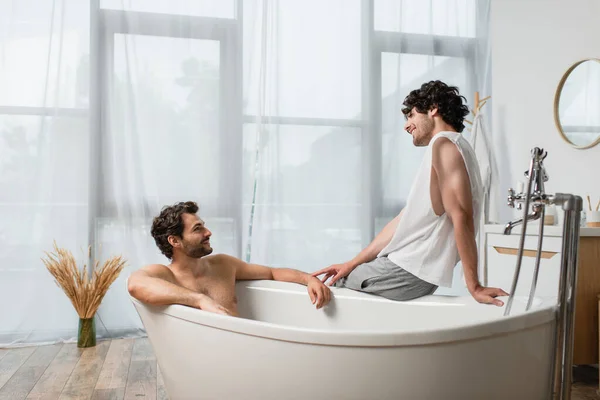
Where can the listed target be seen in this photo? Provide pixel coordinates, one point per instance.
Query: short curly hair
(169, 222)
(438, 94)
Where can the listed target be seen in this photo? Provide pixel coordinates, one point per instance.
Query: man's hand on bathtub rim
(319, 294)
(487, 295)
(207, 304)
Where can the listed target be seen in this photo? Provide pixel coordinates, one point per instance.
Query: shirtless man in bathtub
(196, 279)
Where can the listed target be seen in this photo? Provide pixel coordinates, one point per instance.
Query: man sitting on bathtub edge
(198, 280)
(417, 251)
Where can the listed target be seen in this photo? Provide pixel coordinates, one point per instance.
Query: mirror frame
(557, 101)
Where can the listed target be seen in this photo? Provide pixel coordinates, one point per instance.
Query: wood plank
(526, 253)
(12, 361)
(585, 347)
(51, 384)
(113, 376)
(141, 382)
(82, 381)
(142, 350)
(21, 383)
(109, 394)
(161, 392)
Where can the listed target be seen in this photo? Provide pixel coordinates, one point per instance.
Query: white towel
(480, 141)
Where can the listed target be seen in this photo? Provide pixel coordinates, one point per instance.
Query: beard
(425, 130)
(196, 250)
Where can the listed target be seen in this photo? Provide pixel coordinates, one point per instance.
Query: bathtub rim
(504, 325)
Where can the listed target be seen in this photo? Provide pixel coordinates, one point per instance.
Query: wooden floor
(124, 369)
(117, 369)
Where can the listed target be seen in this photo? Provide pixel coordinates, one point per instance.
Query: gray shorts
(384, 278)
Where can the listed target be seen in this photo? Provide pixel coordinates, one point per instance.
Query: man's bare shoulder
(155, 267)
(446, 153)
(443, 146)
(157, 270)
(223, 259)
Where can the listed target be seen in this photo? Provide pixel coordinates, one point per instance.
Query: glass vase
(86, 334)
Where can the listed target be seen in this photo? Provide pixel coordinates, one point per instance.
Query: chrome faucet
(538, 194)
(537, 212)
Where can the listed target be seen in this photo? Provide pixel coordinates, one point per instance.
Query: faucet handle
(511, 198)
(539, 152)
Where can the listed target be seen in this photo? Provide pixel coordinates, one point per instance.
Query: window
(169, 116)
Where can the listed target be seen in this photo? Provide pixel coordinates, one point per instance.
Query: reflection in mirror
(578, 116)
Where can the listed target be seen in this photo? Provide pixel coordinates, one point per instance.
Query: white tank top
(424, 243)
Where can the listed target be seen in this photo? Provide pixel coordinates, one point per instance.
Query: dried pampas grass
(85, 294)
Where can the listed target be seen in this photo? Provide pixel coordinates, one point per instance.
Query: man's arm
(369, 253)
(155, 284)
(455, 189)
(319, 294)
(382, 239)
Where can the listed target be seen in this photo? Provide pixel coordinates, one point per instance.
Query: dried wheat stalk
(85, 294)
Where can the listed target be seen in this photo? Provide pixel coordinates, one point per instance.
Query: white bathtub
(358, 347)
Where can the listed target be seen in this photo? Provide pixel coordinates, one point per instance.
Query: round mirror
(577, 104)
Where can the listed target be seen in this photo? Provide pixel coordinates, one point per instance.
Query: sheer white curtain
(280, 118)
(418, 41)
(168, 131)
(324, 83)
(44, 161)
(303, 131)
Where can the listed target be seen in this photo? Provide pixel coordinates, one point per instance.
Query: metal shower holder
(536, 197)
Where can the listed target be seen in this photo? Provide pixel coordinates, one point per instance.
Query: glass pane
(307, 194)
(433, 17)
(44, 61)
(292, 158)
(165, 118)
(44, 160)
(199, 8)
(399, 75)
(304, 237)
(311, 61)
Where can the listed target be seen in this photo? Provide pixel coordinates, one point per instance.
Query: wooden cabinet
(499, 262)
(501, 255)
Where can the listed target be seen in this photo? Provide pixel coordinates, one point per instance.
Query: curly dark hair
(438, 94)
(169, 222)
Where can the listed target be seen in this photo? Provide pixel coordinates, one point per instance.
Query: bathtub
(358, 347)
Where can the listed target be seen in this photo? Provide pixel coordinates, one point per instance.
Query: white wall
(533, 43)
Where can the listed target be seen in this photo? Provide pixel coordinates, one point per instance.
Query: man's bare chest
(219, 288)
